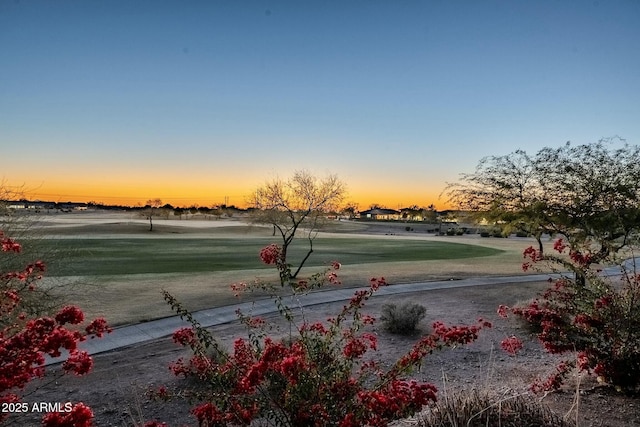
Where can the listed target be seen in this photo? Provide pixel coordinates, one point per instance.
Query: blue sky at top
(172, 99)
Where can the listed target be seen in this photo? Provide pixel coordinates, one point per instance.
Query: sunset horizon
(184, 196)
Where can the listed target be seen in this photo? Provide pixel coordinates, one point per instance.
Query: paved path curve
(142, 332)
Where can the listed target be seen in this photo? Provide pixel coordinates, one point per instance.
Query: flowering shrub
(595, 316)
(323, 374)
(24, 341)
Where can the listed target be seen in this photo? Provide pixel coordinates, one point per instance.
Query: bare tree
(151, 209)
(302, 201)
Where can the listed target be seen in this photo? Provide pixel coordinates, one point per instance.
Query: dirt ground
(116, 389)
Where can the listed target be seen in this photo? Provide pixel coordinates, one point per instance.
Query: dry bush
(403, 318)
(481, 408)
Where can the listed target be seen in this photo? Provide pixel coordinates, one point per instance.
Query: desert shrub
(481, 409)
(590, 314)
(403, 318)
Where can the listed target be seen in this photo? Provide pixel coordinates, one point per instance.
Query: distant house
(31, 206)
(453, 216)
(71, 206)
(411, 214)
(380, 214)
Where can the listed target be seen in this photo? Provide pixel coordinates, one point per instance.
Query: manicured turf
(120, 256)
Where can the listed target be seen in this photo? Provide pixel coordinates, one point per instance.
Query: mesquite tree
(505, 190)
(588, 193)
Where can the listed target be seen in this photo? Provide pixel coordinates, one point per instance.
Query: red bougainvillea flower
(9, 245)
(333, 278)
(70, 314)
(98, 327)
(79, 416)
(559, 245)
(184, 336)
(271, 254)
(79, 362)
(511, 345)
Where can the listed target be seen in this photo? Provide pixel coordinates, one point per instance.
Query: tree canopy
(589, 193)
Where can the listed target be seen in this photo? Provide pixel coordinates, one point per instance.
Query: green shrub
(403, 318)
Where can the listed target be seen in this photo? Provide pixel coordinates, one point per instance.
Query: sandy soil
(116, 388)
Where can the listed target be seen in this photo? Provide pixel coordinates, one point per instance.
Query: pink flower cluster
(271, 254)
(9, 245)
(512, 345)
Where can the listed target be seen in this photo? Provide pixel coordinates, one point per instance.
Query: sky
(201, 102)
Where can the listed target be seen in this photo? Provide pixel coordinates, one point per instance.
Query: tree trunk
(540, 246)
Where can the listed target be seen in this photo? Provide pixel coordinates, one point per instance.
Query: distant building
(31, 206)
(411, 214)
(380, 214)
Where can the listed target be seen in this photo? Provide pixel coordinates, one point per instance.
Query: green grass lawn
(124, 256)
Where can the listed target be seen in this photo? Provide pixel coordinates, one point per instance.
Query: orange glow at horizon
(206, 195)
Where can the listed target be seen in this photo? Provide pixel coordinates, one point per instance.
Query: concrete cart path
(142, 332)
